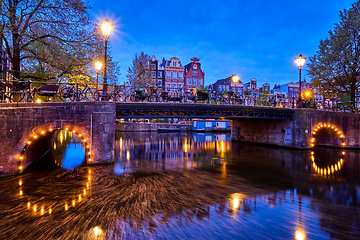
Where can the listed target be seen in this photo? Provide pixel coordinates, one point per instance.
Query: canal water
(184, 186)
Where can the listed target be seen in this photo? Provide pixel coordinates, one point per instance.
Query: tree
(47, 39)
(139, 73)
(335, 67)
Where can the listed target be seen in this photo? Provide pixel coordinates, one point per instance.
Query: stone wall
(29, 122)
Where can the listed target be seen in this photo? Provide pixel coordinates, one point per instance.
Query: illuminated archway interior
(37, 135)
(329, 169)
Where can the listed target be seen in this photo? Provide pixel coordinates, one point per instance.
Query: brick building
(174, 74)
(194, 76)
(157, 71)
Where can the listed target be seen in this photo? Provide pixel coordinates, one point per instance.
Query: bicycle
(16, 93)
(73, 92)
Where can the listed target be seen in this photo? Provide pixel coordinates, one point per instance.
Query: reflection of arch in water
(328, 127)
(329, 169)
(40, 133)
(41, 209)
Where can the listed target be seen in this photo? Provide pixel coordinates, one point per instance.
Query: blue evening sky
(254, 39)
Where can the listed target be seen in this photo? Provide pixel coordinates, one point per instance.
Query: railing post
(29, 97)
(77, 92)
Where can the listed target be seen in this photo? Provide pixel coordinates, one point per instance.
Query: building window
(189, 81)
(181, 75)
(168, 74)
(159, 74)
(174, 86)
(168, 86)
(290, 89)
(160, 83)
(180, 86)
(208, 124)
(195, 73)
(153, 74)
(194, 81)
(174, 75)
(153, 67)
(227, 87)
(174, 64)
(200, 82)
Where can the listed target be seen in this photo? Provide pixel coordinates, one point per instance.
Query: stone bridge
(27, 128)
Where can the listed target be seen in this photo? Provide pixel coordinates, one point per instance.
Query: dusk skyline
(255, 39)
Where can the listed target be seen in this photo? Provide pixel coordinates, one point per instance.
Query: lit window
(174, 75)
(200, 81)
(195, 73)
(180, 75)
(194, 81)
(189, 81)
(168, 74)
(168, 86)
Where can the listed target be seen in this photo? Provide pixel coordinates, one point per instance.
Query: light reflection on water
(68, 149)
(188, 186)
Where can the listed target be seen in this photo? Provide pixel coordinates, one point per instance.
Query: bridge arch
(327, 134)
(37, 141)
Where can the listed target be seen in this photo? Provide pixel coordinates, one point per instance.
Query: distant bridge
(205, 111)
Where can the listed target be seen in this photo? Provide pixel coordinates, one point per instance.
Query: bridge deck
(180, 110)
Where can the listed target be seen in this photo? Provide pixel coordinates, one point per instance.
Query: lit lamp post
(106, 29)
(300, 61)
(98, 66)
(235, 79)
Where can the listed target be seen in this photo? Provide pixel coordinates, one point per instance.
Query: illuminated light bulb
(28, 205)
(66, 129)
(50, 129)
(314, 165)
(73, 131)
(89, 153)
(236, 203)
(84, 191)
(20, 183)
(21, 193)
(66, 207)
(339, 165)
(87, 185)
(336, 129)
(34, 208)
(20, 167)
(42, 210)
(341, 136)
(312, 158)
(321, 171)
(313, 139)
(87, 146)
(343, 153)
(73, 203)
(341, 161)
(328, 125)
(321, 125)
(35, 136)
(343, 144)
(324, 171)
(79, 197)
(336, 168)
(28, 142)
(84, 140)
(89, 178)
(89, 171)
(50, 211)
(339, 132)
(312, 153)
(332, 127)
(314, 133)
(80, 135)
(89, 159)
(97, 231)
(21, 157)
(312, 145)
(316, 129)
(42, 132)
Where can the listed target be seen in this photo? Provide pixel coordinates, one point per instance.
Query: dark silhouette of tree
(336, 65)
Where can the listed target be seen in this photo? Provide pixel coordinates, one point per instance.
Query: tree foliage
(336, 65)
(139, 73)
(47, 39)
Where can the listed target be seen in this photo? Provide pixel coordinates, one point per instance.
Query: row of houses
(172, 74)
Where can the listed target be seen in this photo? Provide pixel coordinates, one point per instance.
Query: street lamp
(235, 79)
(106, 29)
(300, 61)
(98, 66)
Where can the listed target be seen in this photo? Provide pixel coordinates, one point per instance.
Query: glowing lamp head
(300, 61)
(106, 28)
(98, 65)
(235, 78)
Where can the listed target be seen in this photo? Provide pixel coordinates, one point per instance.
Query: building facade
(157, 71)
(5, 63)
(194, 75)
(174, 75)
